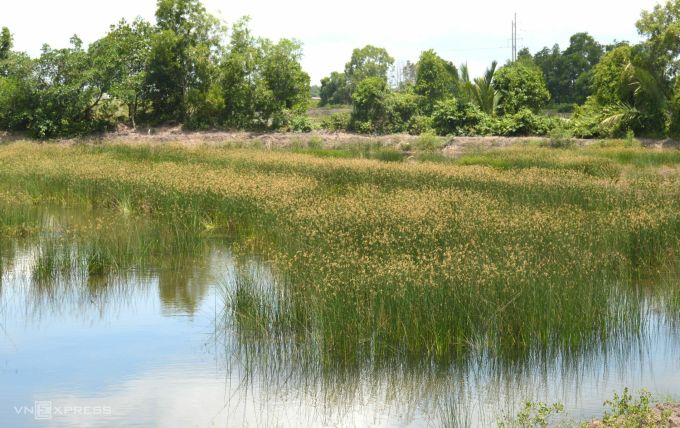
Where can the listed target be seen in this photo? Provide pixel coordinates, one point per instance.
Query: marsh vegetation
(366, 261)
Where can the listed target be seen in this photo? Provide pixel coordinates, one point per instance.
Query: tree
(283, 74)
(186, 40)
(581, 56)
(5, 43)
(67, 91)
(521, 85)
(369, 102)
(335, 90)
(121, 57)
(366, 62)
(261, 80)
(17, 91)
(484, 95)
(568, 74)
(634, 97)
(244, 92)
(661, 27)
(436, 79)
(556, 73)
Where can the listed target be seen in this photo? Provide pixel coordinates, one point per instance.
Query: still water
(154, 346)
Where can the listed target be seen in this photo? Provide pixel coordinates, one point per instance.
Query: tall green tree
(186, 39)
(633, 98)
(284, 75)
(67, 91)
(369, 61)
(369, 103)
(17, 86)
(568, 73)
(6, 43)
(436, 79)
(335, 90)
(244, 92)
(122, 57)
(261, 79)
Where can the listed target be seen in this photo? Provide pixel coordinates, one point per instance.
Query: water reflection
(164, 340)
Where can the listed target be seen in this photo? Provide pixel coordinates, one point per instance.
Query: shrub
(560, 138)
(428, 142)
(401, 107)
(456, 118)
(337, 122)
(419, 124)
(527, 123)
(369, 104)
(301, 123)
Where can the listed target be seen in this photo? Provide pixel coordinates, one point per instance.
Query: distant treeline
(189, 69)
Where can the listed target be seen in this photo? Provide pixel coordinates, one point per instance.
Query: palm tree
(484, 94)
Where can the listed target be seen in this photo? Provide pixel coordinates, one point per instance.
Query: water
(153, 346)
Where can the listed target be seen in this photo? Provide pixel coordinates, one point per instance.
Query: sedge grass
(509, 253)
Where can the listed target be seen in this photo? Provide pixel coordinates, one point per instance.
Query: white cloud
(476, 32)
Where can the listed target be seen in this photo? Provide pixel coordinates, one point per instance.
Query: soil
(453, 145)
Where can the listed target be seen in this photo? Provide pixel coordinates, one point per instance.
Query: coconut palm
(484, 94)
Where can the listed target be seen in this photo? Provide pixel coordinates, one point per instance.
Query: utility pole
(514, 39)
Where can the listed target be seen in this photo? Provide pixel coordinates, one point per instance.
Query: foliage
(436, 80)
(483, 93)
(121, 58)
(6, 43)
(67, 90)
(337, 122)
(454, 117)
(522, 86)
(334, 90)
(630, 90)
(181, 56)
(369, 61)
(627, 412)
(369, 101)
(568, 73)
(533, 414)
(419, 124)
(187, 69)
(17, 92)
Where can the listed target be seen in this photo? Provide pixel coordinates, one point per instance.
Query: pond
(157, 343)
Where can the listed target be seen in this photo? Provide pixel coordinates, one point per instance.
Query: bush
(337, 122)
(451, 117)
(301, 123)
(527, 123)
(428, 142)
(401, 107)
(369, 105)
(419, 124)
(560, 138)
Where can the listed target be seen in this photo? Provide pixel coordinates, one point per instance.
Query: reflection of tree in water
(84, 257)
(185, 281)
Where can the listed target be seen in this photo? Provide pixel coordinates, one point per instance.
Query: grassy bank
(513, 253)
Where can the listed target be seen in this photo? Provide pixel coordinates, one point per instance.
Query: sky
(472, 32)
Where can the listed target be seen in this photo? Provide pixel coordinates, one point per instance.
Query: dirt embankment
(451, 145)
